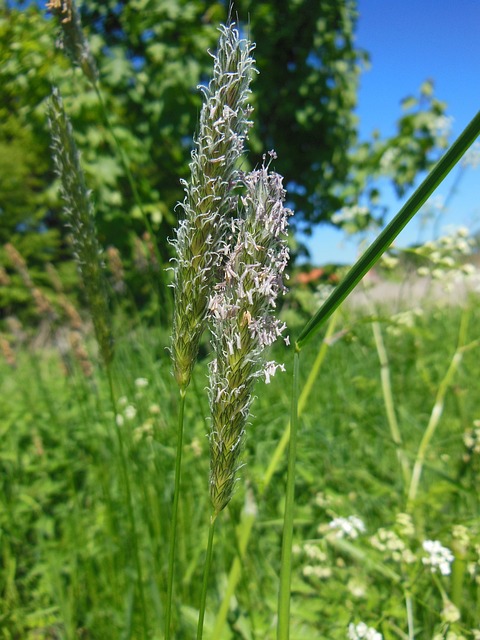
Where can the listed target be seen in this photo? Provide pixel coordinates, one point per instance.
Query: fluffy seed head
(79, 216)
(224, 122)
(242, 321)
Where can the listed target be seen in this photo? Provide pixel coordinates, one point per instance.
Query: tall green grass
(66, 572)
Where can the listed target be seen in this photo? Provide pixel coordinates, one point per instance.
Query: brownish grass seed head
(7, 352)
(71, 38)
(79, 216)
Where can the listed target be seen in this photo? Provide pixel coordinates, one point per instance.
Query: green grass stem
(410, 619)
(174, 518)
(283, 627)
(307, 389)
(245, 530)
(437, 411)
(128, 490)
(206, 575)
(246, 526)
(386, 384)
(391, 231)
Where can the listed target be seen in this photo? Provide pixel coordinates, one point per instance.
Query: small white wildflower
(130, 412)
(317, 571)
(122, 401)
(361, 630)
(471, 439)
(389, 262)
(450, 612)
(141, 383)
(347, 527)
(119, 419)
(314, 553)
(154, 409)
(321, 499)
(357, 588)
(439, 557)
(472, 156)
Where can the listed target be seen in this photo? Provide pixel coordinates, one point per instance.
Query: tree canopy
(152, 55)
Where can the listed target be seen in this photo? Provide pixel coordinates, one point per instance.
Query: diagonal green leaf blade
(391, 231)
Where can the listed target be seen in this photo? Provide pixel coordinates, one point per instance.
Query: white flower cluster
(441, 126)
(439, 558)
(128, 411)
(403, 320)
(361, 631)
(393, 546)
(446, 257)
(349, 527)
(471, 439)
(349, 214)
(316, 559)
(472, 157)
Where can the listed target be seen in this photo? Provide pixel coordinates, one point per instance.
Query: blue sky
(409, 42)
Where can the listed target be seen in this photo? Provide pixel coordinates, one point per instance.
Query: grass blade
(391, 231)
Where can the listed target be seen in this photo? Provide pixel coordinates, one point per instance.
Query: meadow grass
(104, 537)
(66, 572)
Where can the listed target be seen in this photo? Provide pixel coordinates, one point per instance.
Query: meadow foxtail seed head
(79, 216)
(224, 123)
(242, 321)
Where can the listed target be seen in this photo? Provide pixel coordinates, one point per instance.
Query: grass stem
(283, 627)
(436, 414)
(246, 526)
(386, 383)
(128, 490)
(206, 574)
(174, 520)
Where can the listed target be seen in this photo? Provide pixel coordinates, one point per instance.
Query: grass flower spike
(242, 321)
(224, 123)
(79, 214)
(71, 37)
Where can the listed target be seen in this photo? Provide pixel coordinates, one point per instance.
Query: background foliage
(152, 54)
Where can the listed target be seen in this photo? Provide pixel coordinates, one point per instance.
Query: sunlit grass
(64, 515)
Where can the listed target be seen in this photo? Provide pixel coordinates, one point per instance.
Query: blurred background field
(66, 572)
